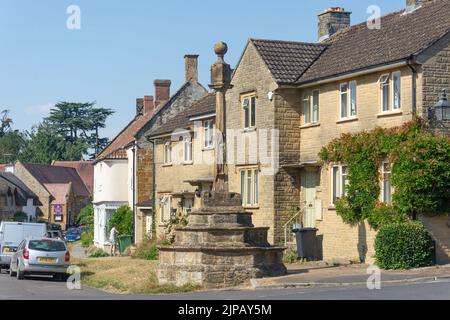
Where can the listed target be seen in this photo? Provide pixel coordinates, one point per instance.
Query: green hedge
(403, 246)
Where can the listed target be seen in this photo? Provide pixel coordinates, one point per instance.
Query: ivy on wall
(420, 172)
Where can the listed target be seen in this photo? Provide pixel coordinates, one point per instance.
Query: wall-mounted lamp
(442, 107)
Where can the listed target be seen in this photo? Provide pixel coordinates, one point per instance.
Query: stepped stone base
(219, 247)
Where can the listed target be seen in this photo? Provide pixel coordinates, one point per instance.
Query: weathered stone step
(195, 235)
(218, 219)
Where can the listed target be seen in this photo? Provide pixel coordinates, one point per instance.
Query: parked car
(54, 234)
(53, 226)
(12, 233)
(41, 257)
(72, 235)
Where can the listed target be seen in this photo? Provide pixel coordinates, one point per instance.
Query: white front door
(309, 189)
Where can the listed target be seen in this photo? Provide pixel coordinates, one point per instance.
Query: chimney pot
(162, 91)
(139, 106)
(331, 21)
(148, 105)
(191, 67)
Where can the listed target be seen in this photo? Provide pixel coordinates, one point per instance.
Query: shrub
(99, 253)
(289, 256)
(147, 250)
(403, 246)
(123, 219)
(20, 217)
(384, 215)
(87, 238)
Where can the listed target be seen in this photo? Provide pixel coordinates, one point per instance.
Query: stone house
(61, 192)
(293, 98)
(15, 197)
(184, 157)
(167, 115)
(114, 166)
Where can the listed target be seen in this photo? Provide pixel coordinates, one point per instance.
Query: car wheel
(19, 274)
(57, 277)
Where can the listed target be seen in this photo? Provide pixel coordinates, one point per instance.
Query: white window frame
(251, 182)
(393, 103)
(341, 93)
(342, 181)
(167, 154)
(208, 134)
(248, 102)
(385, 172)
(355, 93)
(315, 111)
(349, 114)
(165, 209)
(382, 84)
(187, 149)
(307, 117)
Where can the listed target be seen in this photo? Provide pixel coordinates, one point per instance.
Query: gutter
(133, 149)
(401, 63)
(409, 63)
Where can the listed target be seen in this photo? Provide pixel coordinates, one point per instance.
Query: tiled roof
(59, 191)
(287, 60)
(13, 179)
(204, 105)
(401, 36)
(45, 173)
(125, 137)
(84, 168)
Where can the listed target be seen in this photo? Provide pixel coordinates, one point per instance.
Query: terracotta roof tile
(85, 170)
(46, 173)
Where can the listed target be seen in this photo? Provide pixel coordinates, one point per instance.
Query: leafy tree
(45, 145)
(122, 218)
(79, 123)
(86, 216)
(5, 122)
(20, 217)
(12, 146)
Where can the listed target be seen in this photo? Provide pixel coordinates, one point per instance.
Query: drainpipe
(133, 149)
(414, 85)
(153, 142)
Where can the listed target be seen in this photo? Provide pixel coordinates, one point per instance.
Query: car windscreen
(46, 245)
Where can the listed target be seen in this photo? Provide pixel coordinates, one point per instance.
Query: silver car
(41, 257)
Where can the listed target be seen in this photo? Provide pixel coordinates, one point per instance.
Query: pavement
(314, 275)
(77, 250)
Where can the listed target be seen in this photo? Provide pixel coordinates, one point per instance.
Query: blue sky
(124, 45)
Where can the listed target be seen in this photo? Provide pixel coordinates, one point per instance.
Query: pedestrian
(113, 239)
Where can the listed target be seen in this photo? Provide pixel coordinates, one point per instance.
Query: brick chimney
(191, 67)
(331, 21)
(162, 91)
(149, 105)
(139, 106)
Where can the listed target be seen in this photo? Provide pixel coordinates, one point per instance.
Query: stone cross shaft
(220, 83)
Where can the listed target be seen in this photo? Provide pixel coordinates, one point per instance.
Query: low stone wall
(439, 227)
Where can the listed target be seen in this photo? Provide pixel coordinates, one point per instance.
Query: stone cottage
(16, 197)
(183, 157)
(61, 192)
(289, 99)
(189, 92)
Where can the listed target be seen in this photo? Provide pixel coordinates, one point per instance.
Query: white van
(12, 234)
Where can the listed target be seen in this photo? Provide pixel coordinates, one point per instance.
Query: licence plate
(8, 250)
(47, 259)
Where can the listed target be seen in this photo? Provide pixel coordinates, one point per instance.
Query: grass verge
(124, 275)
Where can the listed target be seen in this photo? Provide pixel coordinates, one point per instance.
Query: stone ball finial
(220, 48)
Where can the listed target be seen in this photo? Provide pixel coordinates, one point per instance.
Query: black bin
(306, 243)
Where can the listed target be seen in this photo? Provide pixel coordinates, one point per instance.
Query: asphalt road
(45, 288)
